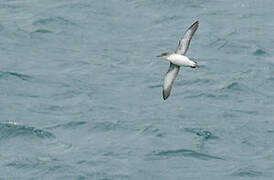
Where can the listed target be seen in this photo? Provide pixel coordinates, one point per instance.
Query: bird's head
(164, 54)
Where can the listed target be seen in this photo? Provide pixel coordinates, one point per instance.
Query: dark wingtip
(196, 22)
(194, 25)
(165, 96)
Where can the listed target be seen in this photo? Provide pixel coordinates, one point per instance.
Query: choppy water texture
(81, 97)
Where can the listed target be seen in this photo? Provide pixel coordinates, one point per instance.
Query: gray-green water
(81, 97)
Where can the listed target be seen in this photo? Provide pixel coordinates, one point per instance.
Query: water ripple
(9, 130)
(7, 74)
(29, 163)
(247, 172)
(53, 20)
(203, 133)
(184, 153)
(208, 95)
(235, 86)
(69, 125)
(259, 52)
(151, 129)
(42, 31)
(107, 126)
(155, 86)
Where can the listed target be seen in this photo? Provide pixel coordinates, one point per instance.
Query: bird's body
(178, 59)
(181, 60)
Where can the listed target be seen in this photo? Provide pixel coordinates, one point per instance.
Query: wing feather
(169, 79)
(185, 41)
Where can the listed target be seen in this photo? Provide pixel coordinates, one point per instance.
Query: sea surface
(81, 90)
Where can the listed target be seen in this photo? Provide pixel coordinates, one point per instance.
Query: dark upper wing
(185, 41)
(169, 79)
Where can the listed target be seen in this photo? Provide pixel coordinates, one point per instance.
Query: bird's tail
(196, 65)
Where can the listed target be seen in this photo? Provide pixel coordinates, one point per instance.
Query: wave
(53, 21)
(11, 130)
(152, 130)
(247, 172)
(155, 86)
(42, 31)
(184, 153)
(50, 26)
(69, 125)
(259, 52)
(203, 133)
(7, 74)
(208, 95)
(231, 86)
(106, 126)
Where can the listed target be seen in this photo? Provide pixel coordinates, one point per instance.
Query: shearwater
(178, 59)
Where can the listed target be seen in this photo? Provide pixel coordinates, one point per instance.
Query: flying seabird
(178, 59)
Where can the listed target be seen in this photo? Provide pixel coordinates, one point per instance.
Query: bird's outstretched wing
(185, 41)
(169, 79)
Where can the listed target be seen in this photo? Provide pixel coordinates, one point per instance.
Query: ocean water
(81, 90)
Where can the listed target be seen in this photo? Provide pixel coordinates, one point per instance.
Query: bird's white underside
(180, 60)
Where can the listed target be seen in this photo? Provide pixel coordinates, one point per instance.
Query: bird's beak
(159, 55)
